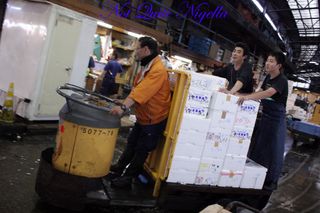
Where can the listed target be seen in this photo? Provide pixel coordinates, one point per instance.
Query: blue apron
(268, 150)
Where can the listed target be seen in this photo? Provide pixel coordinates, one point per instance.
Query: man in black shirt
(239, 72)
(269, 148)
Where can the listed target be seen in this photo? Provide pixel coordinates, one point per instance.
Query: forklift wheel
(61, 189)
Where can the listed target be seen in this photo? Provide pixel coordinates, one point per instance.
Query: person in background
(112, 68)
(268, 150)
(239, 72)
(91, 64)
(151, 99)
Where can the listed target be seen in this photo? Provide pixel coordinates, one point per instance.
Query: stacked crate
(214, 138)
(194, 128)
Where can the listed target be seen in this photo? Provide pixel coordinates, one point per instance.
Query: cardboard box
(253, 176)
(191, 136)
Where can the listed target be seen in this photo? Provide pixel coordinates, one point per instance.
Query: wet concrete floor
(298, 191)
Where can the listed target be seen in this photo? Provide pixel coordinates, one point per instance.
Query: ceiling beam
(291, 9)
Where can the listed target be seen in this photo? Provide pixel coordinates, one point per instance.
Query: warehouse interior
(47, 43)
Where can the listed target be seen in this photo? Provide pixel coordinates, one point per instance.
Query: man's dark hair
(244, 46)
(115, 55)
(150, 43)
(279, 56)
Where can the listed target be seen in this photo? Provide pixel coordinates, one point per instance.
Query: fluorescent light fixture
(258, 5)
(271, 22)
(182, 59)
(313, 62)
(280, 36)
(15, 8)
(134, 34)
(294, 75)
(103, 24)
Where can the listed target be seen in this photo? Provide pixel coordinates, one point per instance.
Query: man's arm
(221, 72)
(117, 110)
(237, 86)
(258, 95)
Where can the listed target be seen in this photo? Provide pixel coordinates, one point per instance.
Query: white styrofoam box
(211, 165)
(290, 87)
(247, 114)
(207, 82)
(218, 133)
(253, 176)
(241, 132)
(238, 147)
(207, 178)
(199, 98)
(215, 149)
(199, 111)
(244, 119)
(249, 107)
(209, 171)
(185, 163)
(189, 150)
(182, 176)
(191, 122)
(234, 163)
(229, 178)
(292, 97)
(192, 137)
(216, 144)
(220, 118)
(222, 101)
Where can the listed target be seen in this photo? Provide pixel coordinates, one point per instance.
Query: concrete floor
(298, 191)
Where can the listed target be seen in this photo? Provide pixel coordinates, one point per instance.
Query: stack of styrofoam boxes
(194, 128)
(222, 112)
(200, 92)
(254, 175)
(290, 103)
(239, 142)
(188, 149)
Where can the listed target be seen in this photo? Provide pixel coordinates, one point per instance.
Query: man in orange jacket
(151, 99)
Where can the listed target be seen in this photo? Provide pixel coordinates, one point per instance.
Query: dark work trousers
(269, 147)
(108, 86)
(142, 140)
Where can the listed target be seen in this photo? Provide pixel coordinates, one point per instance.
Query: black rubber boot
(132, 171)
(122, 163)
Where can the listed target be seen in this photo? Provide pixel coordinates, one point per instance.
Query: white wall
(22, 42)
(24, 46)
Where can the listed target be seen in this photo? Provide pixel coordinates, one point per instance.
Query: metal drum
(87, 133)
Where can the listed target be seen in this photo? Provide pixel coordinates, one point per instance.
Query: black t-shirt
(244, 74)
(279, 83)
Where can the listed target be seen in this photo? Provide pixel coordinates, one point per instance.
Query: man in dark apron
(269, 147)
